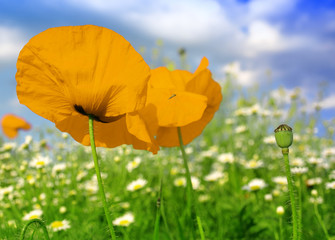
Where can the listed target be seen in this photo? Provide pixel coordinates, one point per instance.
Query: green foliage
(238, 144)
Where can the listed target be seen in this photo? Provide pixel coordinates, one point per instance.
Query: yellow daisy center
(33, 217)
(124, 222)
(57, 224)
(255, 187)
(40, 163)
(180, 182)
(137, 186)
(253, 164)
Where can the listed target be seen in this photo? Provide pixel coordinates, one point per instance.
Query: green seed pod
(284, 136)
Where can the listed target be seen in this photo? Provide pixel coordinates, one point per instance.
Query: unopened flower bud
(280, 210)
(284, 136)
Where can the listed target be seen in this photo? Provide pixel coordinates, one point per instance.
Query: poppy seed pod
(284, 136)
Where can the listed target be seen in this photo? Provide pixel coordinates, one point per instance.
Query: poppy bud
(284, 136)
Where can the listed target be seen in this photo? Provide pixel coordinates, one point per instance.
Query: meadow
(237, 170)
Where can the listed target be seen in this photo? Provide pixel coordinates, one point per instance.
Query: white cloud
(328, 102)
(242, 77)
(11, 42)
(263, 37)
(186, 21)
(204, 23)
(266, 8)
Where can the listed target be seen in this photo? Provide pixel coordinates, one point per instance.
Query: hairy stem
(42, 225)
(292, 197)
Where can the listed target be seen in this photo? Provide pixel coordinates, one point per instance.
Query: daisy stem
(158, 213)
(296, 234)
(190, 196)
(316, 210)
(280, 227)
(97, 171)
(300, 206)
(41, 223)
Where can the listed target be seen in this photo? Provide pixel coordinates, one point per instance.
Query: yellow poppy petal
(88, 66)
(163, 78)
(170, 115)
(11, 124)
(177, 108)
(65, 74)
(106, 134)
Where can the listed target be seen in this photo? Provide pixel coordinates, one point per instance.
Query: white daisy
(37, 213)
(255, 184)
(214, 176)
(40, 161)
(137, 184)
(133, 164)
(124, 220)
(226, 158)
(59, 225)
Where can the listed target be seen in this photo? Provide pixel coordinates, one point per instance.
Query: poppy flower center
(102, 119)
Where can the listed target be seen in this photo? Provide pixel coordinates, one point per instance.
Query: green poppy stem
(41, 223)
(190, 197)
(97, 171)
(296, 234)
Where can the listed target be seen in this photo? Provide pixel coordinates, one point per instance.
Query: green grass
(227, 210)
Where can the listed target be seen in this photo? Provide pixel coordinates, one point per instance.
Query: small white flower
(189, 150)
(299, 170)
(40, 161)
(327, 152)
(314, 192)
(214, 176)
(313, 181)
(133, 164)
(280, 210)
(253, 164)
(330, 185)
(240, 129)
(8, 146)
(195, 182)
(270, 139)
(6, 190)
(255, 184)
(180, 182)
(58, 167)
(59, 225)
(124, 220)
(28, 139)
(37, 213)
(280, 180)
(297, 162)
(137, 184)
(65, 135)
(315, 161)
(268, 197)
(226, 158)
(62, 209)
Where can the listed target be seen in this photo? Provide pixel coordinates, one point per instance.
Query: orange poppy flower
(65, 74)
(180, 99)
(11, 124)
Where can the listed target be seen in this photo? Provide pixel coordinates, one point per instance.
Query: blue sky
(295, 39)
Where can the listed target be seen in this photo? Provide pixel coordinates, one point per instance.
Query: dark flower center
(81, 110)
